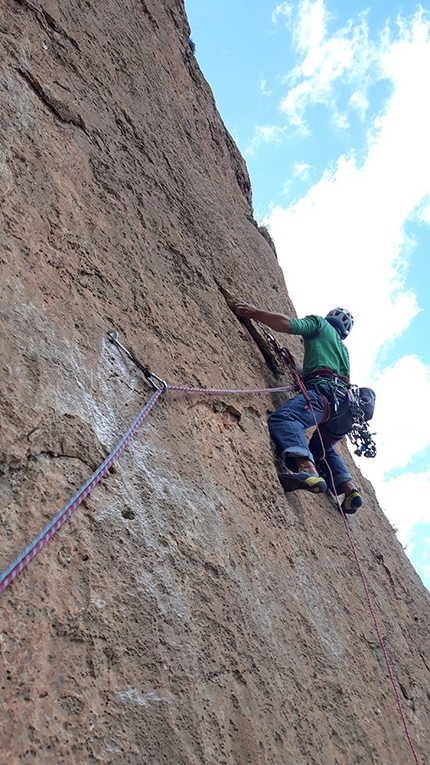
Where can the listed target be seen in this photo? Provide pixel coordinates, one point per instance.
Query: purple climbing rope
(36, 545)
(284, 389)
(15, 568)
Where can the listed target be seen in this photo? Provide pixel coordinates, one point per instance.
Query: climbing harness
(359, 435)
(334, 383)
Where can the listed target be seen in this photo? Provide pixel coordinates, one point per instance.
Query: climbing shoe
(303, 480)
(352, 502)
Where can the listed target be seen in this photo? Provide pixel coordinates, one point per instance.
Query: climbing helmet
(342, 320)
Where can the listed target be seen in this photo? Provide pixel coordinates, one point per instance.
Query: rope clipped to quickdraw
(150, 376)
(160, 387)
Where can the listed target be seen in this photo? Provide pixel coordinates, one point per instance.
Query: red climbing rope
(365, 586)
(289, 362)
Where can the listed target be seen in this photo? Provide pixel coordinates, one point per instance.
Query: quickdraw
(150, 376)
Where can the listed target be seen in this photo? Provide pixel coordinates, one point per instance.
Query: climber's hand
(246, 310)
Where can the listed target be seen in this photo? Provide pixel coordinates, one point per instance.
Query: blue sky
(328, 102)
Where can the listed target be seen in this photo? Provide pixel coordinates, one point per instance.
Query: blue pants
(287, 426)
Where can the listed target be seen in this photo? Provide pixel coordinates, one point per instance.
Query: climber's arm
(276, 321)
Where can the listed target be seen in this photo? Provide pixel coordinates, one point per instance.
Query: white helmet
(342, 320)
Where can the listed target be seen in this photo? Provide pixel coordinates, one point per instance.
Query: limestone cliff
(188, 612)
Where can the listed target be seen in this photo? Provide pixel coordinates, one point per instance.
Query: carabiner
(148, 374)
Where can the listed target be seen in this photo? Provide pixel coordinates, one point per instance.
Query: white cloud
(340, 120)
(346, 235)
(359, 101)
(301, 170)
(349, 227)
(424, 572)
(402, 500)
(422, 213)
(286, 188)
(264, 134)
(283, 9)
(310, 28)
(347, 57)
(263, 88)
(402, 426)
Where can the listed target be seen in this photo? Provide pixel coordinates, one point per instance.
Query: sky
(329, 103)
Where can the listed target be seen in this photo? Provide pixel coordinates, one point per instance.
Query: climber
(326, 376)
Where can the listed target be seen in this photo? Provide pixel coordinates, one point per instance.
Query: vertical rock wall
(188, 612)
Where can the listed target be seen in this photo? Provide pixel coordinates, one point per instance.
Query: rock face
(188, 612)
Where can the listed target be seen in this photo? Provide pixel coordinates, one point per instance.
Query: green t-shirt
(323, 347)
